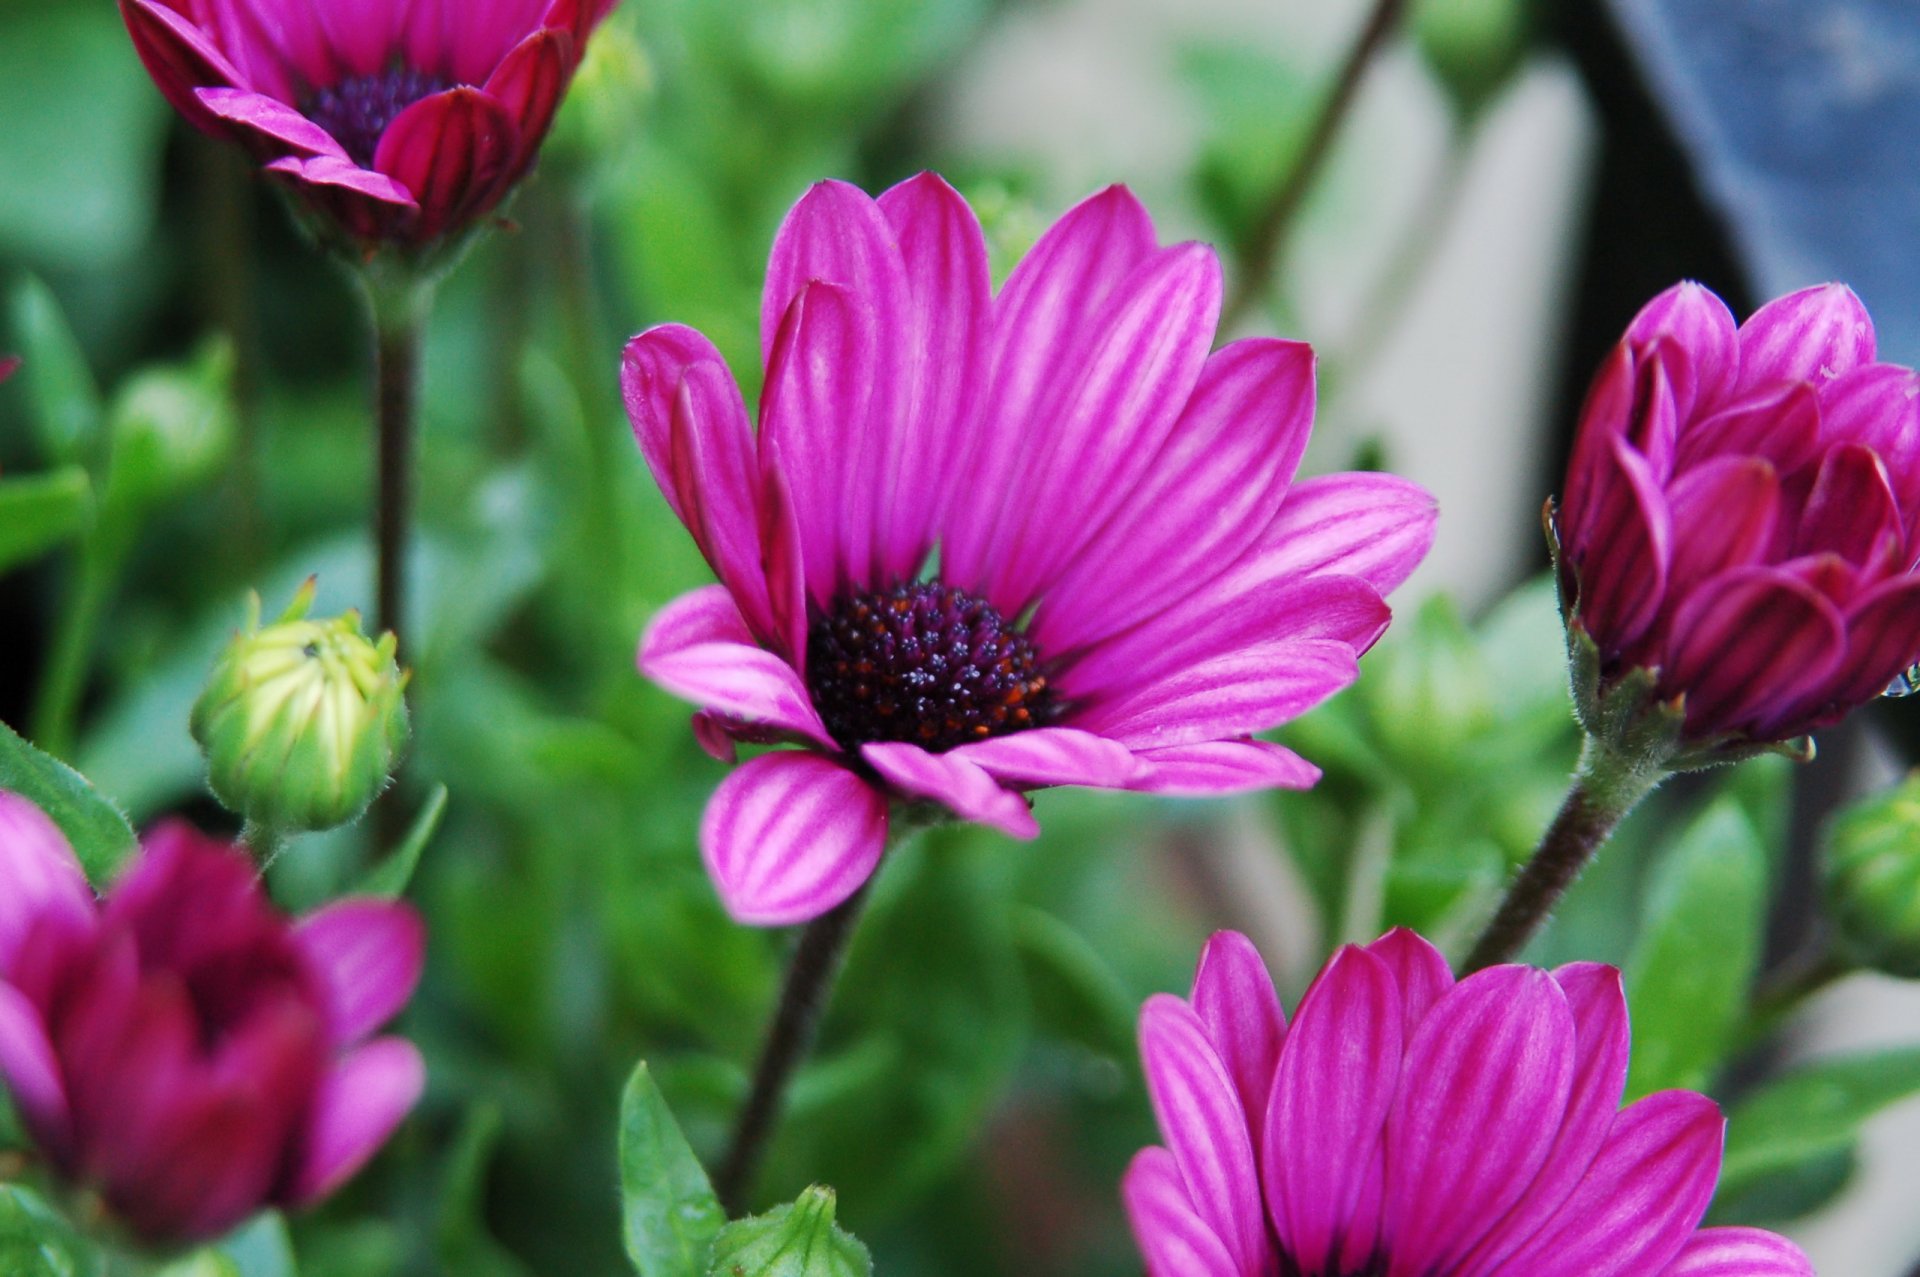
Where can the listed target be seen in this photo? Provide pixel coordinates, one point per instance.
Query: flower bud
(302, 720)
(1872, 872)
(173, 427)
(1473, 47)
(800, 1240)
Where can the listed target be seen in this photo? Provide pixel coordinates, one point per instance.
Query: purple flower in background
(1407, 1126)
(9, 365)
(398, 121)
(1742, 513)
(982, 544)
(183, 1050)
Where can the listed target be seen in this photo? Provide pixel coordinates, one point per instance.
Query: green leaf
(461, 1239)
(100, 835)
(261, 1249)
(64, 399)
(1813, 1113)
(670, 1213)
(36, 1242)
(38, 512)
(390, 878)
(800, 1240)
(1689, 975)
(1076, 993)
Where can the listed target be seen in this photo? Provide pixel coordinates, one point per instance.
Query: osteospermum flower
(180, 1048)
(1742, 513)
(1407, 1126)
(397, 121)
(982, 544)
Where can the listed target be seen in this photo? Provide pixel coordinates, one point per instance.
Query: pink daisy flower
(1407, 1126)
(980, 545)
(398, 121)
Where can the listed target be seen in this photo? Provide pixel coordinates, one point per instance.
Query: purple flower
(398, 121)
(982, 544)
(183, 1050)
(1741, 512)
(9, 364)
(1407, 1126)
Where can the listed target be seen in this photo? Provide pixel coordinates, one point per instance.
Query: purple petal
(1813, 335)
(1624, 558)
(1879, 406)
(711, 734)
(270, 120)
(1374, 526)
(1252, 690)
(1639, 1201)
(1604, 418)
(1220, 767)
(1234, 998)
(529, 83)
(1724, 515)
(949, 323)
(821, 380)
(1130, 394)
(1480, 1105)
(1045, 325)
(1174, 1239)
(1739, 1252)
(363, 33)
(789, 836)
(1883, 638)
(1054, 756)
(38, 874)
(278, 46)
(1205, 1128)
(346, 179)
(1781, 425)
(450, 149)
(1331, 1095)
(367, 956)
(786, 565)
(179, 56)
(30, 1069)
(357, 1109)
(1852, 512)
(1420, 971)
(1210, 494)
(1699, 342)
(698, 648)
(651, 370)
(950, 780)
(1748, 646)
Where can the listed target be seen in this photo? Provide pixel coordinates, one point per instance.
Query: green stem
(790, 1037)
(103, 554)
(1606, 786)
(399, 312)
(265, 843)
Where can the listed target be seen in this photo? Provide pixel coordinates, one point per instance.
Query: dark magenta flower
(1407, 1126)
(9, 365)
(397, 121)
(180, 1048)
(982, 544)
(1742, 513)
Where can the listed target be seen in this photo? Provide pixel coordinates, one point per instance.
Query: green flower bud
(1473, 47)
(598, 122)
(1872, 871)
(800, 1240)
(302, 720)
(173, 427)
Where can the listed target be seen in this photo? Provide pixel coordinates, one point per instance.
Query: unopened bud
(173, 427)
(302, 720)
(800, 1240)
(1473, 47)
(1872, 872)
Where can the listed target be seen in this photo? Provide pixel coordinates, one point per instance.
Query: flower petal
(1174, 1239)
(450, 149)
(1698, 342)
(180, 57)
(1781, 424)
(1217, 768)
(1420, 971)
(1852, 512)
(38, 874)
(1624, 556)
(790, 835)
(955, 783)
(1331, 1095)
(358, 197)
(1739, 1252)
(1252, 690)
(367, 956)
(529, 83)
(1639, 1201)
(1724, 515)
(1748, 646)
(1878, 406)
(1234, 998)
(1053, 756)
(355, 1112)
(1205, 1128)
(1813, 335)
(1481, 1101)
(30, 1069)
(1883, 638)
(363, 33)
(269, 120)
(1377, 527)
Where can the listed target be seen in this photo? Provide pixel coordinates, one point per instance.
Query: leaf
(261, 1249)
(801, 1240)
(1076, 993)
(36, 1242)
(1813, 1113)
(389, 879)
(65, 401)
(461, 1239)
(38, 512)
(670, 1213)
(1689, 974)
(100, 835)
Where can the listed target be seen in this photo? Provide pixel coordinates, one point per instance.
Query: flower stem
(1260, 251)
(796, 1023)
(399, 322)
(1606, 786)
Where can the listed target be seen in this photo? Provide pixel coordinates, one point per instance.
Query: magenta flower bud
(1406, 1123)
(1737, 538)
(395, 123)
(180, 1050)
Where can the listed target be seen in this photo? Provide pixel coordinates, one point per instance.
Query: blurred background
(1513, 181)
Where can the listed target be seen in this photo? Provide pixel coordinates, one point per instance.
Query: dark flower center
(923, 663)
(357, 110)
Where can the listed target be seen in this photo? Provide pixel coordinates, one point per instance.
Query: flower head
(984, 544)
(1742, 515)
(302, 720)
(396, 122)
(1404, 1124)
(179, 1048)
